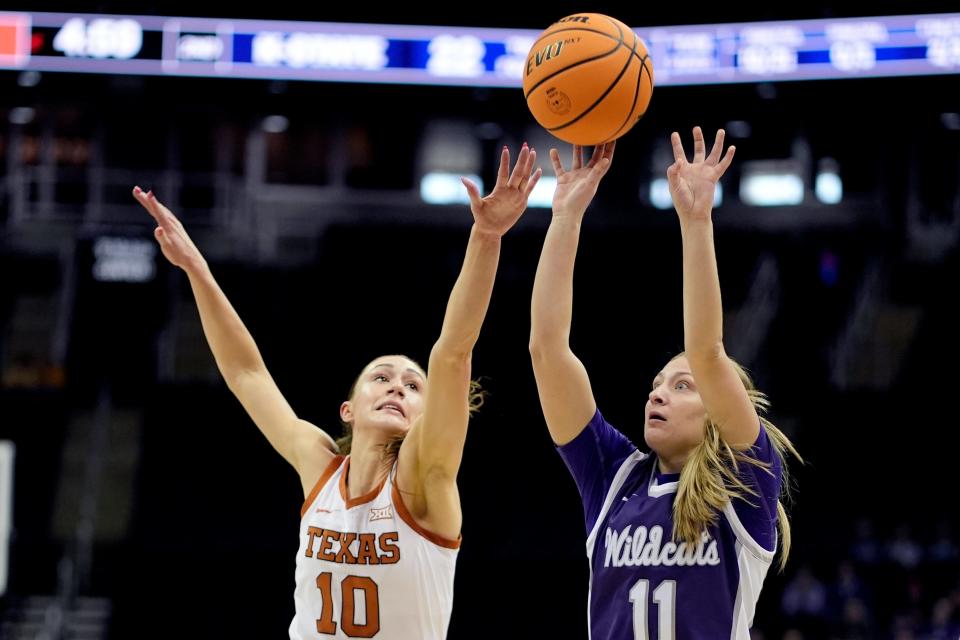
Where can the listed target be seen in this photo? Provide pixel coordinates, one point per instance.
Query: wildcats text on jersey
(644, 548)
(352, 548)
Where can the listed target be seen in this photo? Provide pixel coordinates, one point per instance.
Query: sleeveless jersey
(365, 568)
(643, 586)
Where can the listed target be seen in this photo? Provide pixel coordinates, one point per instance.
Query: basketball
(588, 79)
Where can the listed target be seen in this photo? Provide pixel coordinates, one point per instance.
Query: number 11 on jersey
(665, 597)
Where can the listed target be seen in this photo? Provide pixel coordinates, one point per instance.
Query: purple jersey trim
(760, 517)
(595, 455)
(593, 458)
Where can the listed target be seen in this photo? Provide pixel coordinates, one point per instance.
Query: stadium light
(771, 183)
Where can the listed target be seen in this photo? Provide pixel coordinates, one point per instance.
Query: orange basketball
(588, 79)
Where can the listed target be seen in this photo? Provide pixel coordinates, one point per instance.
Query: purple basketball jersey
(643, 586)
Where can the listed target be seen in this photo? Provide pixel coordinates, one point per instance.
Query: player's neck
(367, 468)
(671, 464)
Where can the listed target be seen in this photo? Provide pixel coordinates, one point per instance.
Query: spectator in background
(943, 549)
(903, 550)
(847, 586)
(904, 628)
(943, 622)
(856, 622)
(804, 603)
(865, 549)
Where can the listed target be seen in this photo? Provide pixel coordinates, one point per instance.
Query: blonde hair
(475, 399)
(710, 476)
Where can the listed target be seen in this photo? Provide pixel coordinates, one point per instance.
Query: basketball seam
(579, 62)
(633, 52)
(636, 94)
(615, 82)
(602, 33)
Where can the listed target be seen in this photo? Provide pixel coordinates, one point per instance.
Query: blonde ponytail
(710, 477)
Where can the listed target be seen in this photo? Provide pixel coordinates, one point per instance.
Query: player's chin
(395, 425)
(654, 434)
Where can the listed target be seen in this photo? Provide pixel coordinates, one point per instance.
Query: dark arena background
(137, 500)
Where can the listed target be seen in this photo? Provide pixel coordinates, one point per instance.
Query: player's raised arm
(302, 444)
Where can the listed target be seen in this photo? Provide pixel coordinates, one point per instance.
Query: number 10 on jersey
(349, 586)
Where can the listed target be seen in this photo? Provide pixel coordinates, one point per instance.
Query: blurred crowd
(901, 586)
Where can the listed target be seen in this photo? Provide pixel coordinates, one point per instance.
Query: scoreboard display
(482, 57)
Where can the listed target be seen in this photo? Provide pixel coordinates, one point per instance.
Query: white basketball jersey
(365, 569)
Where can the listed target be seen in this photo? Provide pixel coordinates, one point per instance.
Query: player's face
(388, 396)
(674, 414)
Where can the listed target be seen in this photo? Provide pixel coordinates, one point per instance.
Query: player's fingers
(699, 147)
(555, 160)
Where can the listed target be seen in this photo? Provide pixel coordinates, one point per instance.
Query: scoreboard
(482, 57)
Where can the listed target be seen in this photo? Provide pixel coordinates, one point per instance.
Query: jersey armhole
(747, 540)
(405, 515)
(324, 477)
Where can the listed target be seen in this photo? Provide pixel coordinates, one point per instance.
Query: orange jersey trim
(329, 471)
(440, 541)
(353, 502)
